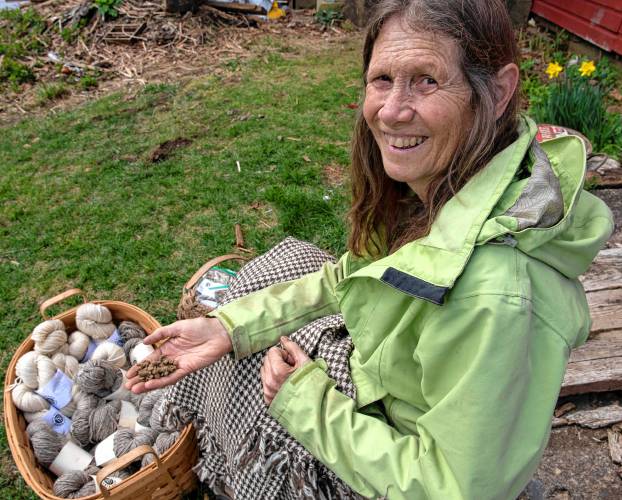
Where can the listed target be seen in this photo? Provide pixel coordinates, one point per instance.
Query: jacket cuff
(240, 339)
(309, 373)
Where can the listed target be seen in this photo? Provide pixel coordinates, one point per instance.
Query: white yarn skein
(67, 364)
(78, 343)
(50, 337)
(34, 416)
(95, 320)
(111, 352)
(27, 400)
(35, 369)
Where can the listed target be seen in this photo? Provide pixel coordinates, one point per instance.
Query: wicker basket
(168, 477)
(189, 306)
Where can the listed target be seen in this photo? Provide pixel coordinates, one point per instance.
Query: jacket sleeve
(257, 320)
(491, 388)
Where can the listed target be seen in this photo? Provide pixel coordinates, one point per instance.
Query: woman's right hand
(192, 343)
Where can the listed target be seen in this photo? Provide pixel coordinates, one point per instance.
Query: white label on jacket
(71, 457)
(104, 451)
(59, 423)
(57, 391)
(115, 338)
(140, 352)
(89, 351)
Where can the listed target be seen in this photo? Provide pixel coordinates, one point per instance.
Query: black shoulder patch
(414, 286)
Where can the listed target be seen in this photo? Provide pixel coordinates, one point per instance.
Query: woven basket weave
(167, 478)
(189, 306)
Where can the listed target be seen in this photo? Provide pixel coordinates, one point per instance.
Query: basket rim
(18, 454)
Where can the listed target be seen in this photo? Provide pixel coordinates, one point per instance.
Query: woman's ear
(505, 85)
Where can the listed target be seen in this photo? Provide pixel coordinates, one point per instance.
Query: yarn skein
(129, 345)
(110, 352)
(145, 409)
(34, 369)
(80, 423)
(27, 400)
(162, 443)
(78, 344)
(130, 330)
(95, 420)
(99, 377)
(67, 364)
(125, 440)
(95, 320)
(45, 442)
(77, 484)
(156, 420)
(50, 337)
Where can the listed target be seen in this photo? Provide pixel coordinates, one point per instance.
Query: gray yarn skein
(46, 443)
(130, 330)
(104, 420)
(125, 440)
(99, 377)
(77, 484)
(162, 443)
(146, 406)
(80, 423)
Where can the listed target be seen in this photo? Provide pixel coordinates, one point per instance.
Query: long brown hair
(386, 214)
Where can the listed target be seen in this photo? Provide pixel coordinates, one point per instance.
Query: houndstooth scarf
(241, 445)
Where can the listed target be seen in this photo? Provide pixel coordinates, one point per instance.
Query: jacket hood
(545, 212)
(529, 196)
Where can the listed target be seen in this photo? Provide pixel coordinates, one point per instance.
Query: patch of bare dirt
(164, 150)
(334, 175)
(168, 48)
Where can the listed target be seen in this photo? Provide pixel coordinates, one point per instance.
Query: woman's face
(416, 103)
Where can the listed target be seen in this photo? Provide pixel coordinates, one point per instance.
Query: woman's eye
(382, 81)
(426, 84)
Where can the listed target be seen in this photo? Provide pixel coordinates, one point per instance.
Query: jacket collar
(427, 268)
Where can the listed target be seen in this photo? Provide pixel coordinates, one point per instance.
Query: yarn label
(89, 351)
(71, 457)
(115, 338)
(108, 482)
(57, 391)
(59, 423)
(104, 451)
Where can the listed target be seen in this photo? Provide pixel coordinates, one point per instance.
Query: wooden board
(597, 365)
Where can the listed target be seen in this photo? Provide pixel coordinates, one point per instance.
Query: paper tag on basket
(138, 427)
(121, 392)
(89, 351)
(57, 391)
(115, 338)
(104, 451)
(71, 457)
(108, 482)
(140, 352)
(59, 423)
(127, 415)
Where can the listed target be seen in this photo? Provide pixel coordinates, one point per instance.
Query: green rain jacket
(461, 338)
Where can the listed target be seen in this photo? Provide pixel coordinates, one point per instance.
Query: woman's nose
(397, 108)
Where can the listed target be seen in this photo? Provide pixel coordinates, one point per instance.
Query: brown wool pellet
(149, 370)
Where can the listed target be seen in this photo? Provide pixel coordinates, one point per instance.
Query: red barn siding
(599, 21)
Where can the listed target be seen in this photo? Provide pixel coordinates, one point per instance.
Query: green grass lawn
(83, 205)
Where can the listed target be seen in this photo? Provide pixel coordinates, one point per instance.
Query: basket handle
(59, 298)
(124, 461)
(208, 265)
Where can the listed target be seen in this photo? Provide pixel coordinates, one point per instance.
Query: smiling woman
(426, 361)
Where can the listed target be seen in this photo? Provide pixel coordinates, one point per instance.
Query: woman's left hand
(278, 365)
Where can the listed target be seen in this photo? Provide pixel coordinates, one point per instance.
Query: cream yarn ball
(27, 400)
(50, 337)
(66, 363)
(111, 352)
(35, 369)
(78, 343)
(95, 320)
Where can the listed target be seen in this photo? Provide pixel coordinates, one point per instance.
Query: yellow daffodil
(587, 68)
(553, 70)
